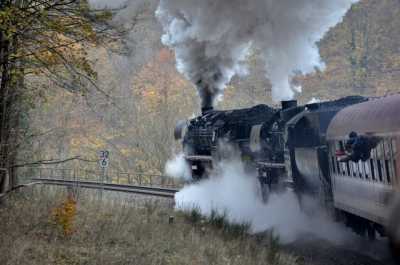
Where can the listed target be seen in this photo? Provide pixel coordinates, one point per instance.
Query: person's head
(353, 135)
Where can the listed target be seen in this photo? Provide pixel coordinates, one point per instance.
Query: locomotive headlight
(180, 130)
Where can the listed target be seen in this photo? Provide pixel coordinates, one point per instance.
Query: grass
(119, 230)
(219, 221)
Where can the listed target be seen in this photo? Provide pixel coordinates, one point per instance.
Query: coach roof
(376, 116)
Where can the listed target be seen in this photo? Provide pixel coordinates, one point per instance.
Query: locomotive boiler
(343, 153)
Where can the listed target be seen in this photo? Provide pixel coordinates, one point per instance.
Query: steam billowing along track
(343, 153)
(143, 190)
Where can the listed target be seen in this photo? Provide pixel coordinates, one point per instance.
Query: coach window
(358, 169)
(351, 169)
(338, 170)
(378, 162)
(371, 162)
(379, 165)
(338, 167)
(339, 146)
(392, 159)
(385, 165)
(389, 160)
(361, 169)
(366, 170)
(387, 168)
(333, 165)
(344, 169)
(379, 150)
(348, 168)
(394, 155)
(388, 148)
(332, 153)
(342, 165)
(355, 169)
(374, 156)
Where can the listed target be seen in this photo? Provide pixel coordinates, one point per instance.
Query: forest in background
(139, 96)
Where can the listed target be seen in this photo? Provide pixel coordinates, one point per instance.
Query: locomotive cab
(307, 150)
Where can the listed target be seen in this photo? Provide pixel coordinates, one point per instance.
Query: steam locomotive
(344, 153)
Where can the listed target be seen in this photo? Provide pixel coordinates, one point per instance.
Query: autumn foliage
(64, 216)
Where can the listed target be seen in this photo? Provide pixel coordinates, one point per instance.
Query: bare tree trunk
(10, 85)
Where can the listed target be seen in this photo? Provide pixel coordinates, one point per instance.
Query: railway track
(144, 190)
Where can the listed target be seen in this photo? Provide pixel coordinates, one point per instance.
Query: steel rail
(109, 184)
(145, 190)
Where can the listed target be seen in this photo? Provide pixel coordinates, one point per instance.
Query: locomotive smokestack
(207, 103)
(204, 110)
(207, 96)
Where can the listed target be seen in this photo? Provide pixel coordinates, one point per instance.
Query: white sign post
(104, 159)
(104, 162)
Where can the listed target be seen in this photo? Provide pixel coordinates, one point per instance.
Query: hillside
(362, 54)
(148, 96)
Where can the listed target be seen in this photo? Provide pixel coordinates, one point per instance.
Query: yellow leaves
(49, 57)
(88, 31)
(8, 19)
(125, 151)
(51, 38)
(97, 143)
(76, 142)
(393, 62)
(84, 142)
(64, 216)
(158, 83)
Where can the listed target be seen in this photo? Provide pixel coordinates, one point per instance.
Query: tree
(45, 39)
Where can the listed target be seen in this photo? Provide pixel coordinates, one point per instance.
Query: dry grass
(114, 230)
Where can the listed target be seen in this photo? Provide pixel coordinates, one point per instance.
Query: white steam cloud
(237, 194)
(178, 168)
(314, 100)
(107, 4)
(212, 38)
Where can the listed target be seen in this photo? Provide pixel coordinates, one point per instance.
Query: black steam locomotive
(343, 153)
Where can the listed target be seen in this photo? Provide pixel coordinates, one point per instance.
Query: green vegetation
(119, 231)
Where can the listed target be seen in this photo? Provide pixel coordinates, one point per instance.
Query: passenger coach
(365, 191)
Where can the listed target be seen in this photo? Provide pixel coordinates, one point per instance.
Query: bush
(64, 215)
(195, 215)
(237, 229)
(217, 219)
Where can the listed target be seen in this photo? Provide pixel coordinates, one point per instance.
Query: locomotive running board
(199, 158)
(272, 165)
